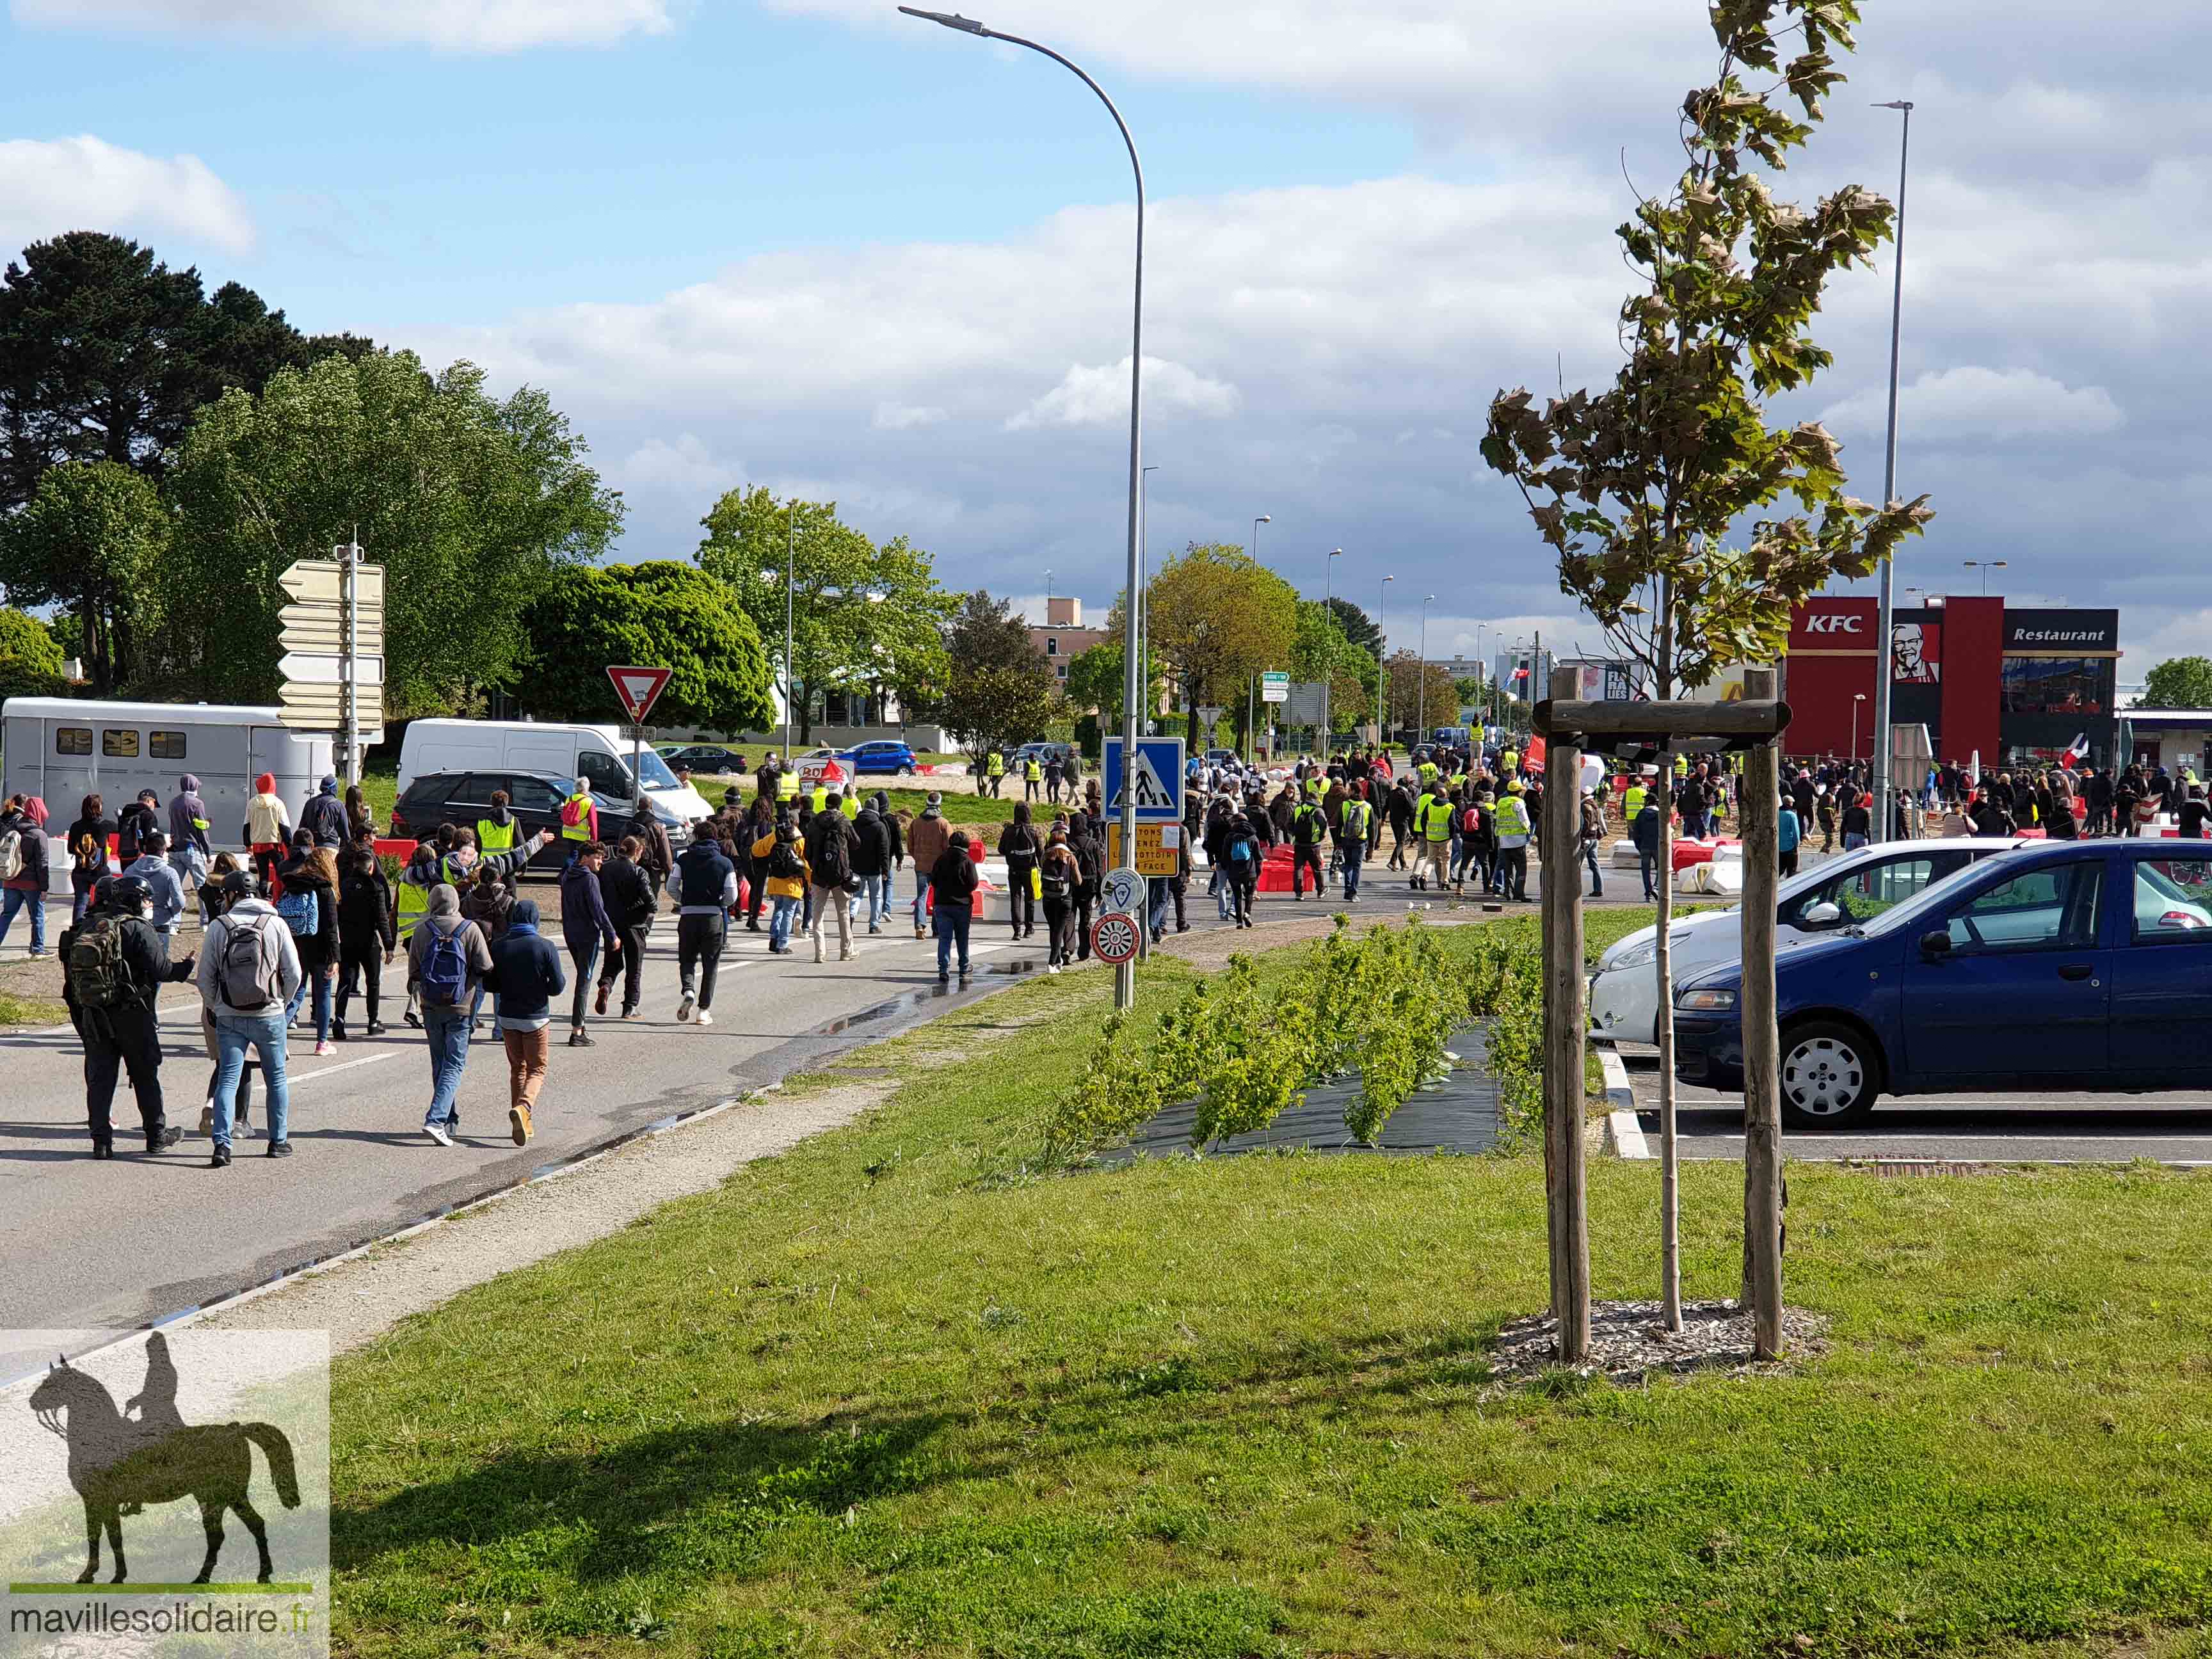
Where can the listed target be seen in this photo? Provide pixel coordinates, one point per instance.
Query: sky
(817, 246)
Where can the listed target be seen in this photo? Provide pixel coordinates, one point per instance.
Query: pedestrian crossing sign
(1154, 780)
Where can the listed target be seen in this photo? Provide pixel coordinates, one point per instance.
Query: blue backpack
(445, 968)
(1244, 852)
(298, 909)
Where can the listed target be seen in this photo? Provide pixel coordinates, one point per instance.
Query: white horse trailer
(64, 750)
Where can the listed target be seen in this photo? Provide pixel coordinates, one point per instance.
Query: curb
(1624, 1135)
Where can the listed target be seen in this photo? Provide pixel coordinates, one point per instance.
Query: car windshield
(1934, 896)
(656, 775)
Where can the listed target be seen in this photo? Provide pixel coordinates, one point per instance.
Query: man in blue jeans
(249, 970)
(447, 961)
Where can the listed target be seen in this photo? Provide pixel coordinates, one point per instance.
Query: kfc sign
(1834, 626)
(1834, 622)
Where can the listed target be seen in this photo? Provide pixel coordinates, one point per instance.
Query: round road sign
(1114, 938)
(1125, 890)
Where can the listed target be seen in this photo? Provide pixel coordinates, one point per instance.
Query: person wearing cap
(926, 842)
(122, 1032)
(1513, 830)
(271, 973)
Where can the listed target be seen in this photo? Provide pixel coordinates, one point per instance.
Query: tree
(1423, 697)
(2179, 683)
(1358, 627)
(1095, 682)
(30, 661)
(92, 539)
(1469, 690)
(863, 618)
(105, 354)
(470, 505)
(999, 692)
(1638, 489)
(1322, 651)
(660, 615)
(1215, 618)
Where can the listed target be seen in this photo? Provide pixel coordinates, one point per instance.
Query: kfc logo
(1836, 622)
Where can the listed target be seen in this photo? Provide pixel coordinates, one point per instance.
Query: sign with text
(1274, 688)
(639, 689)
(1157, 846)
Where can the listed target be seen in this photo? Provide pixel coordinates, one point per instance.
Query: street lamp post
(1125, 977)
(1144, 579)
(1263, 518)
(1381, 665)
(1857, 697)
(1984, 566)
(1885, 624)
(790, 679)
(1421, 674)
(1327, 670)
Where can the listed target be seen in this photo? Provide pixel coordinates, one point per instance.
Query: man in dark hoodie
(113, 966)
(324, 816)
(525, 976)
(872, 861)
(367, 935)
(627, 892)
(189, 848)
(586, 929)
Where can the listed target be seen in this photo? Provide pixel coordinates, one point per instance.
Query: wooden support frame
(1762, 1046)
(1567, 1022)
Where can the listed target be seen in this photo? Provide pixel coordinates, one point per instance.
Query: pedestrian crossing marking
(1143, 780)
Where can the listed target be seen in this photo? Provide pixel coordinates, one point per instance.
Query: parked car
(1840, 892)
(882, 756)
(706, 757)
(2062, 966)
(462, 797)
(1043, 751)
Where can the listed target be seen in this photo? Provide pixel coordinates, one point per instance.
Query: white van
(63, 749)
(598, 755)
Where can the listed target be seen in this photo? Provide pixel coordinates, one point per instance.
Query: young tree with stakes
(1649, 491)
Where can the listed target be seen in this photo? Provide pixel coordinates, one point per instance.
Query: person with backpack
(586, 929)
(784, 878)
(1590, 825)
(526, 976)
(308, 906)
(871, 860)
(268, 831)
(954, 879)
(248, 973)
(367, 935)
(323, 816)
(829, 871)
(88, 851)
(411, 903)
(153, 867)
(113, 966)
(1089, 850)
(580, 822)
(1308, 825)
(189, 847)
(1352, 843)
(1018, 847)
(447, 962)
(1241, 860)
(24, 856)
(1058, 877)
(134, 821)
(488, 902)
(925, 841)
(627, 892)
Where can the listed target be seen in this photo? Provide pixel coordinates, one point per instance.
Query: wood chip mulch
(1629, 1341)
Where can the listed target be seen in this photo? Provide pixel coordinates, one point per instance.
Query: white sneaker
(323, 1050)
(437, 1133)
(706, 1018)
(684, 1010)
(1052, 968)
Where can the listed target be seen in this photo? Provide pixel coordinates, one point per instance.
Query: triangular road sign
(639, 689)
(1143, 782)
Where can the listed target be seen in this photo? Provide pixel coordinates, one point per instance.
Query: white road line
(293, 1079)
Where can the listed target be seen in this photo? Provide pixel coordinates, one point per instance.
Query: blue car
(2068, 966)
(895, 758)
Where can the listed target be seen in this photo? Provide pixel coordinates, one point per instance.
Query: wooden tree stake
(1762, 1043)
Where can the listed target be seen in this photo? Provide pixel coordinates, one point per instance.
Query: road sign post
(1113, 937)
(1155, 780)
(638, 688)
(333, 642)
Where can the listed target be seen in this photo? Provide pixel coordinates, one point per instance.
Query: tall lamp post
(1421, 674)
(790, 679)
(1252, 685)
(1885, 630)
(1263, 518)
(1144, 579)
(1382, 667)
(1125, 977)
(1984, 566)
(1857, 697)
(1327, 670)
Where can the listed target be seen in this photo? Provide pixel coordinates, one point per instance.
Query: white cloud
(1098, 396)
(449, 25)
(88, 184)
(905, 417)
(1973, 404)
(684, 464)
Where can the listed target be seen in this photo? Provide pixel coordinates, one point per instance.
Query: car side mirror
(1823, 915)
(1937, 943)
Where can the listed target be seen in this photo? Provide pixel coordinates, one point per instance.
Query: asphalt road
(2169, 1129)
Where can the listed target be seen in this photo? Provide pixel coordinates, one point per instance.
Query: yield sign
(638, 688)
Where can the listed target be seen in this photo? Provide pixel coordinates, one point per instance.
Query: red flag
(1533, 758)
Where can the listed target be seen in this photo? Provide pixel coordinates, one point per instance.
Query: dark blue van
(2069, 966)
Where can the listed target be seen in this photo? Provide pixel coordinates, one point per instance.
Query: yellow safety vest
(492, 836)
(1511, 761)
(577, 831)
(1632, 802)
(786, 786)
(1434, 817)
(820, 797)
(850, 806)
(1428, 771)
(413, 905)
(995, 766)
(1512, 815)
(1358, 814)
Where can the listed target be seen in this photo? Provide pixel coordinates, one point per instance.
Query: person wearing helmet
(113, 966)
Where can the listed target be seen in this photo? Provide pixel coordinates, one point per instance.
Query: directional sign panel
(1155, 780)
(323, 580)
(326, 668)
(1274, 688)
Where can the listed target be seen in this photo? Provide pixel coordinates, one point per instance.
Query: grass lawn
(33, 1010)
(892, 1393)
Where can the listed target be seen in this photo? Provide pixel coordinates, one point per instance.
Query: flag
(2078, 751)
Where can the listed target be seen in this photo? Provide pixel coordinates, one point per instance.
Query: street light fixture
(1381, 665)
(1144, 590)
(1421, 671)
(1984, 566)
(1327, 670)
(1884, 623)
(1857, 697)
(1125, 975)
(1256, 523)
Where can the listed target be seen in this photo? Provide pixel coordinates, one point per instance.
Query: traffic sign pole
(638, 688)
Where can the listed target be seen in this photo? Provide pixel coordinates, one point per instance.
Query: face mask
(145, 913)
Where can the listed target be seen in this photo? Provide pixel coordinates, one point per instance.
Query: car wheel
(1831, 1075)
(906, 771)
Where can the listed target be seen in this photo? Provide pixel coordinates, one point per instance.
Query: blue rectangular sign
(1156, 778)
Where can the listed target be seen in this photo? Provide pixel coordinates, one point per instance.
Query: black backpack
(99, 973)
(831, 854)
(784, 862)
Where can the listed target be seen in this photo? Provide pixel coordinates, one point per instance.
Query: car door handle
(2075, 970)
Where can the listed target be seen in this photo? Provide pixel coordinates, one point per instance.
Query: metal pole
(1381, 665)
(790, 677)
(1663, 967)
(1421, 676)
(1328, 669)
(349, 669)
(1886, 669)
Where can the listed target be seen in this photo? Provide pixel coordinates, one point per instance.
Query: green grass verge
(891, 1393)
(31, 1011)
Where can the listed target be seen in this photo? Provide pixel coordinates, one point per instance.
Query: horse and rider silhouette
(119, 1462)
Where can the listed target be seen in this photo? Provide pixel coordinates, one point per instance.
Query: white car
(1624, 993)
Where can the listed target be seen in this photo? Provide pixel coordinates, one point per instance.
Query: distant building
(1062, 636)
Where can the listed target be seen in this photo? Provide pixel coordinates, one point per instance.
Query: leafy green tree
(1641, 488)
(1357, 626)
(472, 505)
(1322, 651)
(91, 539)
(1215, 617)
(660, 615)
(105, 354)
(1423, 697)
(1095, 682)
(999, 692)
(863, 617)
(1469, 690)
(30, 661)
(2179, 683)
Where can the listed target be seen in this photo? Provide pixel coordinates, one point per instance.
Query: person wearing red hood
(268, 831)
(24, 851)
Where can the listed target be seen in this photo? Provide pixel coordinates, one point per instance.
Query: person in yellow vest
(818, 799)
(1512, 816)
(499, 833)
(1032, 778)
(994, 770)
(1510, 762)
(1631, 802)
(1432, 820)
(1357, 823)
(579, 819)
